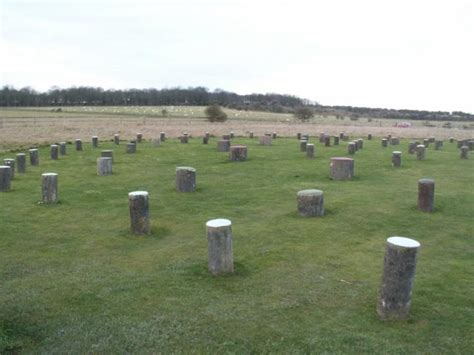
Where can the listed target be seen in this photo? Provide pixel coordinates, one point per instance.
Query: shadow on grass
(156, 233)
(201, 271)
(18, 330)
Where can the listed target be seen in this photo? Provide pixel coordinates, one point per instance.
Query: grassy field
(74, 280)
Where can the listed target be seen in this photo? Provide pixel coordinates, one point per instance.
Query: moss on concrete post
(34, 156)
(341, 168)
(185, 179)
(310, 203)
(21, 163)
(219, 246)
(426, 188)
(54, 152)
(238, 153)
(397, 279)
(139, 212)
(310, 151)
(396, 158)
(104, 166)
(5, 178)
(49, 188)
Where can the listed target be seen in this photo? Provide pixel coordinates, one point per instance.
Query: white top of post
(185, 168)
(220, 222)
(403, 242)
(49, 174)
(138, 193)
(5, 167)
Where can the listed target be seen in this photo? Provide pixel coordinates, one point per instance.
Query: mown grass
(74, 280)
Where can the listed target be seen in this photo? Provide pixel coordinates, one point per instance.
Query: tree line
(201, 96)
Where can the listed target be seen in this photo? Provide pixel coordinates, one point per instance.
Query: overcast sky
(416, 54)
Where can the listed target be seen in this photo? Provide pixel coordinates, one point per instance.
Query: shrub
(303, 113)
(215, 113)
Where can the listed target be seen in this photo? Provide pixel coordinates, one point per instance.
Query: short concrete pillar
(5, 178)
(420, 152)
(394, 141)
(223, 145)
(238, 153)
(360, 143)
(139, 212)
(356, 146)
(131, 148)
(351, 148)
(207, 134)
(384, 142)
(327, 141)
(184, 139)
(11, 163)
(305, 137)
(104, 166)
(54, 152)
(21, 163)
(205, 140)
(310, 203)
(303, 145)
(226, 137)
(464, 152)
(396, 158)
(322, 137)
(274, 135)
(341, 135)
(336, 140)
(162, 136)
(117, 139)
(34, 156)
(451, 139)
(155, 142)
(345, 138)
(369, 137)
(432, 139)
(397, 278)
(95, 141)
(185, 179)
(219, 246)
(62, 148)
(49, 187)
(298, 136)
(426, 142)
(426, 188)
(310, 151)
(139, 137)
(231, 134)
(251, 135)
(107, 154)
(341, 168)
(266, 140)
(412, 147)
(78, 145)
(438, 145)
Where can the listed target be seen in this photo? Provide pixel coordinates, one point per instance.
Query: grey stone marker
(303, 144)
(397, 279)
(95, 141)
(155, 142)
(426, 188)
(78, 145)
(266, 140)
(394, 141)
(50, 187)
(139, 213)
(360, 143)
(34, 156)
(238, 153)
(336, 140)
(369, 137)
(219, 246)
(341, 168)
(396, 158)
(104, 166)
(298, 136)
(117, 139)
(131, 148)
(5, 178)
(205, 140)
(107, 154)
(310, 151)
(162, 136)
(384, 142)
(62, 148)
(223, 145)
(54, 152)
(327, 141)
(438, 145)
(185, 179)
(21, 163)
(274, 135)
(420, 152)
(139, 137)
(11, 163)
(351, 148)
(184, 139)
(464, 152)
(322, 137)
(310, 203)
(412, 147)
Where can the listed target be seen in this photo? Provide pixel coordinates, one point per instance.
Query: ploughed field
(74, 279)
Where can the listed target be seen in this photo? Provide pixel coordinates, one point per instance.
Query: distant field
(45, 125)
(75, 281)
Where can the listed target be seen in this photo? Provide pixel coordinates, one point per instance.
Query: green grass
(74, 280)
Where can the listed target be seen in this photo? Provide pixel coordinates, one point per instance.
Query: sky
(404, 54)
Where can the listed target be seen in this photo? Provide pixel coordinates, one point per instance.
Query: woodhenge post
(50, 187)
(397, 280)
(139, 215)
(219, 246)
